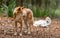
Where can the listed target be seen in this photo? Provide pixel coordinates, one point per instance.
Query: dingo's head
(48, 20)
(18, 9)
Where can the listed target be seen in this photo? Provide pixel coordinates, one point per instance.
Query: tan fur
(21, 14)
(28, 18)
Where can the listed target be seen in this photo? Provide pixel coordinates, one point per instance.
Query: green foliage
(8, 10)
(34, 10)
(43, 12)
(38, 12)
(57, 12)
(1, 11)
(39, 8)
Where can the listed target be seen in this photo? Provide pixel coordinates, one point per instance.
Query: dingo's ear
(22, 7)
(19, 9)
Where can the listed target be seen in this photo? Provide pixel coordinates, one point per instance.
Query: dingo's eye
(47, 22)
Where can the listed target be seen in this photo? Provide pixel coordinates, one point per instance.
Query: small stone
(29, 32)
(25, 31)
(15, 33)
(4, 31)
(20, 34)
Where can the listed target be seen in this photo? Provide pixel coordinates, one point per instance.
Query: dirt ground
(52, 31)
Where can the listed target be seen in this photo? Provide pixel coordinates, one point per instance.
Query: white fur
(43, 23)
